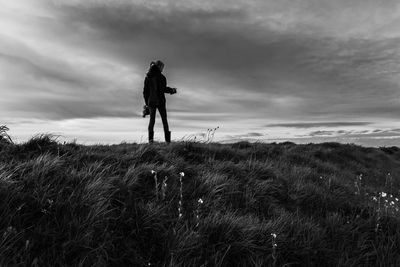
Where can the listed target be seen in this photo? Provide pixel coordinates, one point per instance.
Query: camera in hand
(146, 111)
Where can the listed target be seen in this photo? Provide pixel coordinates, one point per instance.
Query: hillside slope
(193, 204)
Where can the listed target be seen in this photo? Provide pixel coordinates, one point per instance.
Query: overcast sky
(300, 70)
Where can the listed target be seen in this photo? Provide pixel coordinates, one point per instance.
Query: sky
(260, 70)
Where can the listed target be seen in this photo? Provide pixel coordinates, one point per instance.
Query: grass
(261, 204)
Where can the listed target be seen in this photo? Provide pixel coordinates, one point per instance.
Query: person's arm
(167, 89)
(146, 91)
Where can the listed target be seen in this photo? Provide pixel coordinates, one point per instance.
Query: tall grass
(4, 137)
(139, 205)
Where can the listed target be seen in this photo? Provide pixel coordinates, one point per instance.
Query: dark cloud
(354, 134)
(390, 133)
(56, 73)
(223, 49)
(255, 134)
(321, 133)
(252, 136)
(43, 86)
(318, 124)
(247, 135)
(70, 107)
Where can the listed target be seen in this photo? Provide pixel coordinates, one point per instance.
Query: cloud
(253, 134)
(45, 86)
(321, 133)
(250, 136)
(223, 49)
(319, 124)
(387, 133)
(354, 134)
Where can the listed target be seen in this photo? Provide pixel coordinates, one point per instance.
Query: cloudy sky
(299, 70)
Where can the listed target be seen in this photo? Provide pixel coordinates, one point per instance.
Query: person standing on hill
(155, 86)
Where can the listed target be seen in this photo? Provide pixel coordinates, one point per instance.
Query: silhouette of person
(155, 86)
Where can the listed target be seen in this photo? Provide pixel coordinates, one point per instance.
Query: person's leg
(163, 113)
(151, 123)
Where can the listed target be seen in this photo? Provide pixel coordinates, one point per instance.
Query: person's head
(160, 65)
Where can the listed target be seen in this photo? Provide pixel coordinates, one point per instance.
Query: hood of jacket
(153, 71)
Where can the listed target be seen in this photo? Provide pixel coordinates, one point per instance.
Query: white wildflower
(10, 230)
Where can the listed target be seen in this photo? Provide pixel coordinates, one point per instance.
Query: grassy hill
(196, 204)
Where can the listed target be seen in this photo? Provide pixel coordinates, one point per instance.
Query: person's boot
(167, 136)
(151, 136)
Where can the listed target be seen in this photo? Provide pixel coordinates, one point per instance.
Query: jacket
(155, 86)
